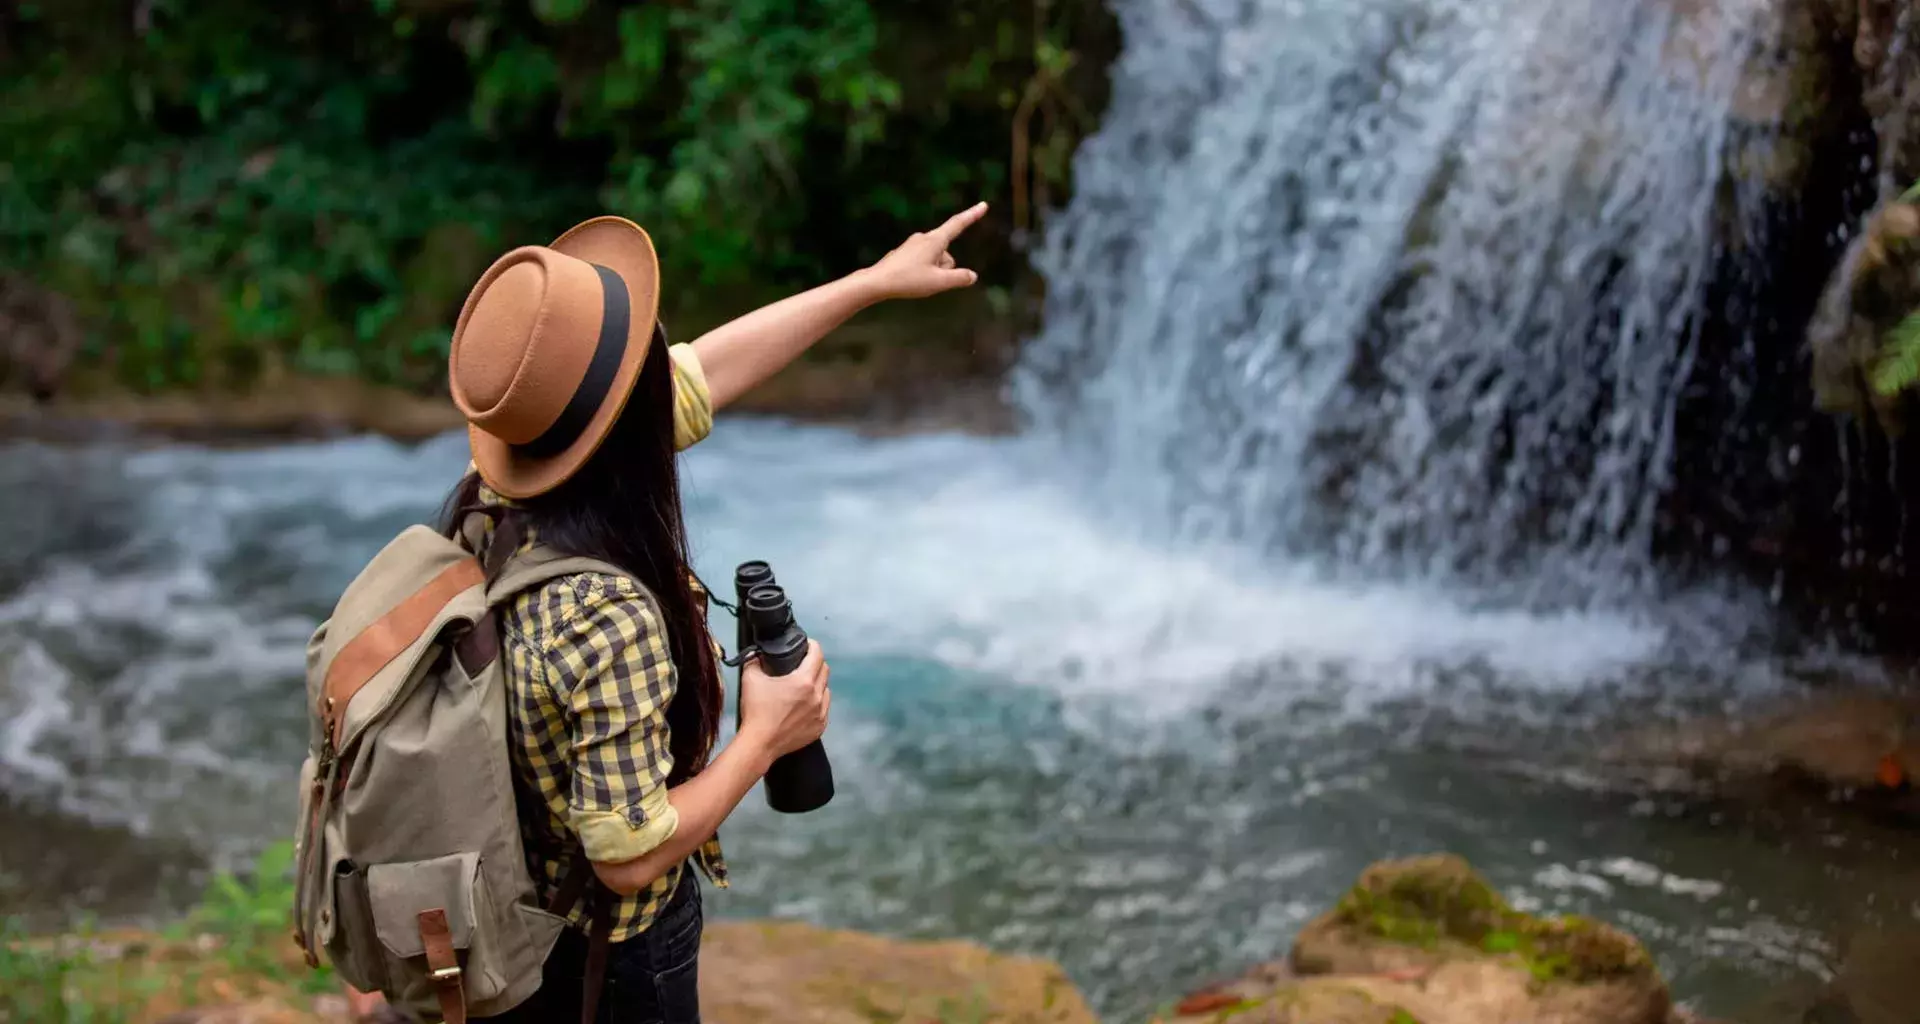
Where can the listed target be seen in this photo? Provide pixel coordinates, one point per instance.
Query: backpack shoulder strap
(519, 570)
(539, 565)
(509, 571)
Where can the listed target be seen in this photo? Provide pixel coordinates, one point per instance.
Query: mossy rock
(1875, 287)
(1425, 911)
(1431, 923)
(1423, 901)
(1580, 950)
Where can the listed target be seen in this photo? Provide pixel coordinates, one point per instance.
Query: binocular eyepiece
(803, 780)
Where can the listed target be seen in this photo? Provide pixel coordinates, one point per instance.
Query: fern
(1899, 365)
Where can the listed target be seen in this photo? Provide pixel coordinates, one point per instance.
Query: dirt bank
(766, 972)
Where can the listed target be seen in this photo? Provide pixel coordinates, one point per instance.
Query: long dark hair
(623, 507)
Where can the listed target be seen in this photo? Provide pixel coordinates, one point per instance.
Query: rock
(1876, 286)
(1427, 941)
(1874, 984)
(1862, 748)
(1878, 282)
(775, 972)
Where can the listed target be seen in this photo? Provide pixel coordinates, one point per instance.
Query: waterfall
(1405, 287)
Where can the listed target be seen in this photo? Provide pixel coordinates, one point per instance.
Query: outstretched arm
(741, 353)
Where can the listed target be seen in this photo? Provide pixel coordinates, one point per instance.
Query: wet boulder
(1834, 747)
(1874, 982)
(1427, 941)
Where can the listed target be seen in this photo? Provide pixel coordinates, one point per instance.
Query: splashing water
(1406, 285)
(1147, 763)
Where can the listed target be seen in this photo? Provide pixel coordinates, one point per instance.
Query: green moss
(1423, 901)
(1431, 902)
(1578, 949)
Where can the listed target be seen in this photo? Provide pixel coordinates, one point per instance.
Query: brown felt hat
(547, 349)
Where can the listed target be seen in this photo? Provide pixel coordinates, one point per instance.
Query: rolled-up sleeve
(611, 668)
(692, 402)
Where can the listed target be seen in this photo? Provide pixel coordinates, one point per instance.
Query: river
(1153, 764)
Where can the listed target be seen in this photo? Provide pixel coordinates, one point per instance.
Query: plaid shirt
(589, 678)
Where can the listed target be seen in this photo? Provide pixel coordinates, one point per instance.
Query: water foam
(973, 552)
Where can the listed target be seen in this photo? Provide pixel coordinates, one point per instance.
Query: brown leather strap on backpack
(376, 646)
(507, 535)
(573, 885)
(443, 965)
(599, 937)
(579, 882)
(480, 644)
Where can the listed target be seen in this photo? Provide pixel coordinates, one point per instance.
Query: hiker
(564, 546)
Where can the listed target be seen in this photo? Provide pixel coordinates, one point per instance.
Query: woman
(576, 408)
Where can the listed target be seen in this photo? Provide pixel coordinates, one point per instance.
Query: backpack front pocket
(347, 930)
(420, 905)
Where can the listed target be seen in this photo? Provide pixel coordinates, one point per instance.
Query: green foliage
(86, 977)
(252, 915)
(1899, 365)
(230, 189)
(58, 984)
(1501, 942)
(232, 208)
(754, 75)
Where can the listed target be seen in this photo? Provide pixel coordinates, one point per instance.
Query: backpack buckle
(443, 965)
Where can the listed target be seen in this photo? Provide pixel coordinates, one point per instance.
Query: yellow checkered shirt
(589, 678)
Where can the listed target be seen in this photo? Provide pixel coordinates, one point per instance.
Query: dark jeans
(652, 978)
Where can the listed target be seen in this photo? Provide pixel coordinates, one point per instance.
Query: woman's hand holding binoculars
(781, 714)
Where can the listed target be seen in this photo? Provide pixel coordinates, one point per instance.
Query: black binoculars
(803, 780)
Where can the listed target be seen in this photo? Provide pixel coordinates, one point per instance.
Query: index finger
(959, 222)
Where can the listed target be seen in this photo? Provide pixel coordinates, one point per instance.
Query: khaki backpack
(411, 876)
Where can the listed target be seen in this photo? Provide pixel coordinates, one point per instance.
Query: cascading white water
(1407, 285)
